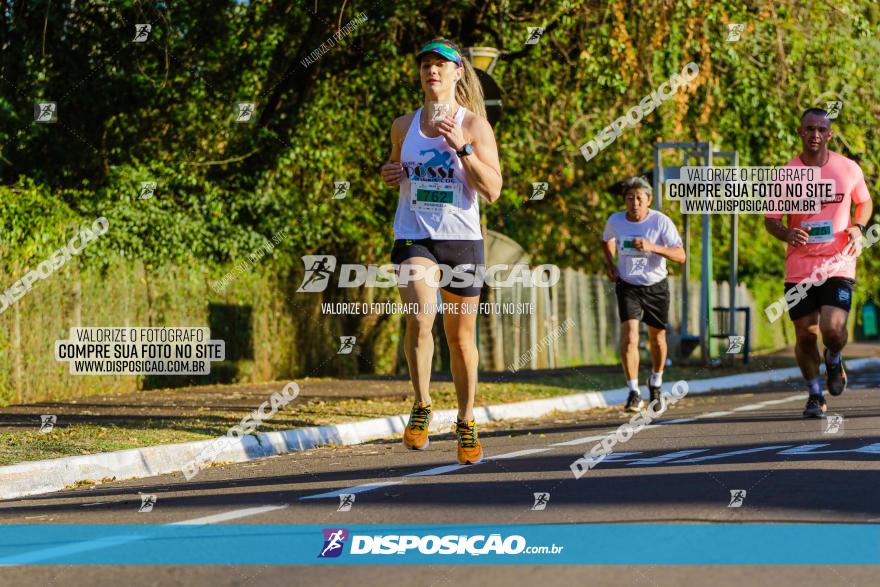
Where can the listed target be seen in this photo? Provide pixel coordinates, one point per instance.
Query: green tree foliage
(164, 110)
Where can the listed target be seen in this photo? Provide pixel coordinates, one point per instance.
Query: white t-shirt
(634, 266)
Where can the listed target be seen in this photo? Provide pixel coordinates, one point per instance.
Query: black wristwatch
(468, 149)
(863, 228)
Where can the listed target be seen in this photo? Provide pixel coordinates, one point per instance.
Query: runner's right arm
(796, 237)
(392, 171)
(609, 247)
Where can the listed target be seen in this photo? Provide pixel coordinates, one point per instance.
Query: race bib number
(628, 247)
(820, 231)
(435, 197)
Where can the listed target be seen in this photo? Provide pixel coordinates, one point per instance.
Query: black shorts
(648, 303)
(467, 255)
(836, 291)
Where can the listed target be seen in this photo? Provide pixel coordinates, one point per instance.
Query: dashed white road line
(519, 453)
(437, 471)
(671, 456)
(732, 453)
(529, 451)
(233, 515)
(355, 489)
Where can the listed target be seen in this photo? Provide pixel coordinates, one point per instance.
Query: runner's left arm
(862, 216)
(482, 167)
(864, 209)
(675, 254)
(668, 236)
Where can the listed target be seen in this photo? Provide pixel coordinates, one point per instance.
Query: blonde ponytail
(469, 91)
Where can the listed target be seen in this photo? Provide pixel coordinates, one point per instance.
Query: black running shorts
(648, 303)
(836, 291)
(467, 255)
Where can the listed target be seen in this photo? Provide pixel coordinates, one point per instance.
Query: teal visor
(443, 50)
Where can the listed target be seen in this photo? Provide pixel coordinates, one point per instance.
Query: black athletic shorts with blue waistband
(468, 255)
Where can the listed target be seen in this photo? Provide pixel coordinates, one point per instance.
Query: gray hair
(636, 182)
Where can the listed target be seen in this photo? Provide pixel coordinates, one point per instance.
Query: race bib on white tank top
(435, 200)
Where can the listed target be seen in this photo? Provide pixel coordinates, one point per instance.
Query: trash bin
(869, 319)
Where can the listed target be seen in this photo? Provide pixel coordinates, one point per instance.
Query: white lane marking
(667, 457)
(713, 415)
(732, 453)
(355, 489)
(748, 408)
(519, 453)
(614, 456)
(773, 402)
(804, 448)
(578, 441)
(618, 456)
(233, 515)
(437, 470)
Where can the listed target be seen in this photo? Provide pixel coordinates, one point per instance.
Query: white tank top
(435, 200)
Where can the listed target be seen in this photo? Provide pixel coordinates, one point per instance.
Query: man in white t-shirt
(643, 239)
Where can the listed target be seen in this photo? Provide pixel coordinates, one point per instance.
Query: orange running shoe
(416, 434)
(469, 450)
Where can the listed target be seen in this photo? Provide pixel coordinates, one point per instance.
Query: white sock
(656, 379)
(633, 385)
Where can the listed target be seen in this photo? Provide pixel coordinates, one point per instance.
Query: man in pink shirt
(820, 264)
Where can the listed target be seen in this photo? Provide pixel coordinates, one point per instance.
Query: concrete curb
(36, 477)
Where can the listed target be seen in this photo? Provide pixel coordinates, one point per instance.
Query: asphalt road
(754, 441)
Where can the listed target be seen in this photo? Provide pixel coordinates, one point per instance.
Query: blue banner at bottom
(551, 544)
